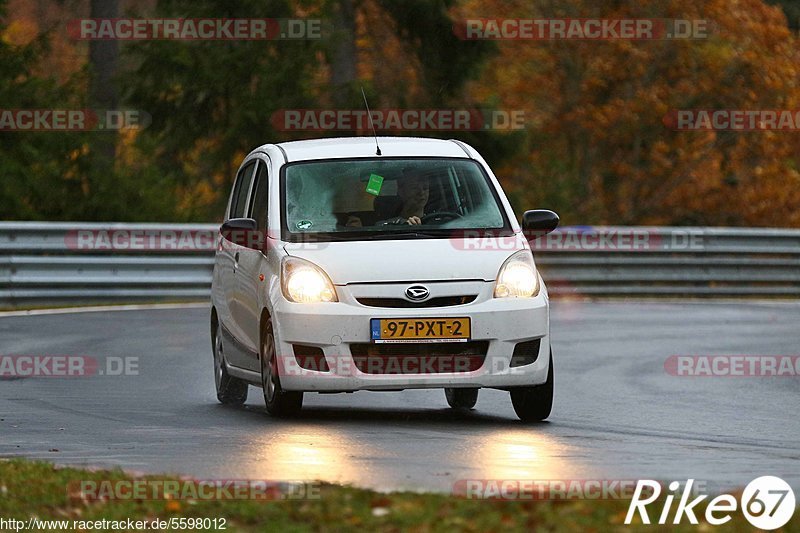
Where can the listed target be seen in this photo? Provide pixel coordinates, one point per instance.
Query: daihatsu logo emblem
(417, 292)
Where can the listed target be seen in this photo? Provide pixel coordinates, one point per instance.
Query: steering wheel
(440, 216)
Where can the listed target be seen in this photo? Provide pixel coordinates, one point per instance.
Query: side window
(260, 197)
(240, 190)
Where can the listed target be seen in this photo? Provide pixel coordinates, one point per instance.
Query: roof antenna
(371, 125)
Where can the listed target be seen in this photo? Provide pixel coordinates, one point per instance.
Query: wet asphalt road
(617, 414)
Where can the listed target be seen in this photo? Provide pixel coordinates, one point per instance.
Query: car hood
(409, 260)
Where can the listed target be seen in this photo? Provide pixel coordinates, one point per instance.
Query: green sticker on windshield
(374, 184)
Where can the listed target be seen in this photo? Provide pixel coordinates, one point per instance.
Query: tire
(280, 403)
(462, 399)
(230, 390)
(533, 404)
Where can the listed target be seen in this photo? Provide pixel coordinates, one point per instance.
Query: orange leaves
(602, 105)
(20, 32)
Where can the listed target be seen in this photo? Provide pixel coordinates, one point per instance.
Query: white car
(378, 264)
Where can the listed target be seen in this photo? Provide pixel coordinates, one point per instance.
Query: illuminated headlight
(517, 277)
(304, 282)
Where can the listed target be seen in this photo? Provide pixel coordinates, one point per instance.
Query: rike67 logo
(767, 503)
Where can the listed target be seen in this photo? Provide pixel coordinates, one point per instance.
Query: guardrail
(67, 263)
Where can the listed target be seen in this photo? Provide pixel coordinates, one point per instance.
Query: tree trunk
(103, 60)
(344, 56)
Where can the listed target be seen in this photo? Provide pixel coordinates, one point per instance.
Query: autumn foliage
(597, 146)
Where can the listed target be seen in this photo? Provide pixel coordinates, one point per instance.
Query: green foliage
(39, 173)
(211, 101)
(594, 145)
(447, 62)
(53, 493)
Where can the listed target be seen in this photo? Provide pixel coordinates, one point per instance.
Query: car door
(247, 309)
(230, 255)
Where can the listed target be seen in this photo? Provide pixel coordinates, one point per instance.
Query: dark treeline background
(594, 147)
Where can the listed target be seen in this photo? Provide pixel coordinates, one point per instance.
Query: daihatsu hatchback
(378, 264)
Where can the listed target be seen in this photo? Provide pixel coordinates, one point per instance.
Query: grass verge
(37, 489)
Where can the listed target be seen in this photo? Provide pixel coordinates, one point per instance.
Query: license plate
(420, 329)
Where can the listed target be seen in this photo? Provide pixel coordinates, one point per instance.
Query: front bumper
(333, 327)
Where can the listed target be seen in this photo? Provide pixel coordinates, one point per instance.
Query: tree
(103, 59)
(42, 174)
(211, 101)
(791, 9)
(598, 148)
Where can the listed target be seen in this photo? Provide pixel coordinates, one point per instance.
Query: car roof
(343, 147)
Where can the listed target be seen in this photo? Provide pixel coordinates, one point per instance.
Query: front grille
(419, 358)
(440, 301)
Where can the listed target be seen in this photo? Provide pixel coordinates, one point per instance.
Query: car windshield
(373, 198)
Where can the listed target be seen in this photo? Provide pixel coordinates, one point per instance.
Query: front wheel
(462, 399)
(230, 390)
(533, 404)
(279, 402)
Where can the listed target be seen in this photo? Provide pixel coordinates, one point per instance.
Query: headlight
(517, 277)
(304, 282)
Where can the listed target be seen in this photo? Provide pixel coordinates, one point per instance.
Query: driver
(413, 191)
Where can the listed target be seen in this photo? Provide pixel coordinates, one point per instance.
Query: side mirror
(539, 222)
(242, 231)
